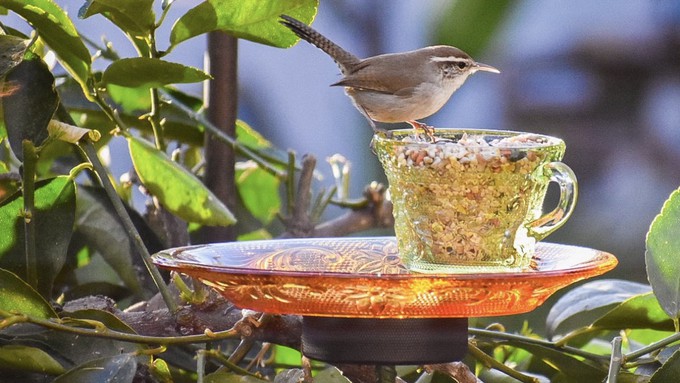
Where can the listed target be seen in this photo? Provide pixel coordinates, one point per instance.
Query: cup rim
(388, 136)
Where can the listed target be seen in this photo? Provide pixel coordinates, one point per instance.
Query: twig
(100, 170)
(299, 224)
(650, 348)
(540, 342)
(105, 332)
(615, 361)
(493, 363)
(251, 154)
(375, 212)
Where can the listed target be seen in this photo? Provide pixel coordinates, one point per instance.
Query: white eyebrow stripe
(447, 59)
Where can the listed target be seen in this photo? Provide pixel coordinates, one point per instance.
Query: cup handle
(566, 179)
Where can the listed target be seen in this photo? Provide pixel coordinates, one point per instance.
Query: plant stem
(132, 232)
(490, 362)
(540, 342)
(154, 116)
(652, 347)
(215, 354)
(240, 148)
(290, 183)
(122, 336)
(111, 113)
(28, 190)
(155, 120)
(615, 361)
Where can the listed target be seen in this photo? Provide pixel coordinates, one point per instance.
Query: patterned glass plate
(364, 278)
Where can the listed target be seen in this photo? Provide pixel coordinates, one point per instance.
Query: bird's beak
(485, 68)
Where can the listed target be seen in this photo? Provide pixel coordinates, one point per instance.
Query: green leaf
(114, 369)
(177, 125)
(59, 33)
(12, 49)
(470, 25)
(99, 226)
(176, 188)
(17, 296)
(28, 359)
(669, 371)
(331, 375)
(640, 311)
(55, 205)
(663, 247)
(32, 103)
(250, 137)
(144, 72)
(254, 20)
(258, 190)
(130, 99)
(574, 369)
(111, 321)
(584, 304)
(135, 17)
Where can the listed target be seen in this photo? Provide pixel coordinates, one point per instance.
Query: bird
(396, 87)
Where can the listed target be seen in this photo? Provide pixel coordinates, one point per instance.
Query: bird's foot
(427, 129)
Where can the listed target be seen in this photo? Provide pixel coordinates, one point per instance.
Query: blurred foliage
(471, 24)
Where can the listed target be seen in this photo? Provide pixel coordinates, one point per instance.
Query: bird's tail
(344, 59)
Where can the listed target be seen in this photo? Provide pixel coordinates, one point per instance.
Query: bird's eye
(462, 64)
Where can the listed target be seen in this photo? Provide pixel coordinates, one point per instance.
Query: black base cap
(384, 341)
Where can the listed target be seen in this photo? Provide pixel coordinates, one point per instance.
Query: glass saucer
(364, 278)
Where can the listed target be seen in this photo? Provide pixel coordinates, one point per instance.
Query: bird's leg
(429, 130)
(376, 129)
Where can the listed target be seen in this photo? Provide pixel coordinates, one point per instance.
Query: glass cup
(472, 201)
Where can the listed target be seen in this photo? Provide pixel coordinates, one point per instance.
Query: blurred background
(604, 76)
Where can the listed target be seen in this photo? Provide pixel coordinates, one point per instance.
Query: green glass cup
(472, 201)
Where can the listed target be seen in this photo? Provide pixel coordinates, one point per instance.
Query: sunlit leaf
(130, 99)
(250, 137)
(259, 191)
(176, 188)
(661, 257)
(135, 17)
(640, 311)
(144, 72)
(32, 102)
(28, 359)
(254, 20)
(582, 305)
(161, 371)
(17, 296)
(115, 369)
(55, 204)
(58, 32)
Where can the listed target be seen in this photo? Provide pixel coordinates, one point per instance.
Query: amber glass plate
(364, 278)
